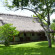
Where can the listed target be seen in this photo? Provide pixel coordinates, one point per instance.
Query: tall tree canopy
(41, 8)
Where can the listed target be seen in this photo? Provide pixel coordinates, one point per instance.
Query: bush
(52, 26)
(6, 33)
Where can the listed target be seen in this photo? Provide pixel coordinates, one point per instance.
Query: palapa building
(29, 27)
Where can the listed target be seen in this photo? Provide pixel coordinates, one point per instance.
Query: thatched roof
(22, 23)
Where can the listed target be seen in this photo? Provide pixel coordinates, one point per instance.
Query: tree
(7, 31)
(41, 8)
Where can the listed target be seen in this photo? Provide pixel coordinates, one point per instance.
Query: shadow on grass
(42, 50)
(43, 43)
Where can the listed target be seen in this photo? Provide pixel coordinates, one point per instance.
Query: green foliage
(34, 16)
(41, 8)
(23, 2)
(39, 5)
(42, 18)
(16, 3)
(6, 33)
(52, 26)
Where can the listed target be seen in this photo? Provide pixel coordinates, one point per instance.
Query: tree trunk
(49, 40)
(48, 28)
(6, 43)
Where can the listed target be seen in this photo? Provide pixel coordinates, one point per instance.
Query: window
(38, 34)
(24, 34)
(33, 34)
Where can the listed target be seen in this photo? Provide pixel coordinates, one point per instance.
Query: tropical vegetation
(41, 8)
(7, 32)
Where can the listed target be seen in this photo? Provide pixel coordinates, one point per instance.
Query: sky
(20, 12)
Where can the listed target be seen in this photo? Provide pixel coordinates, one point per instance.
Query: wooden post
(14, 38)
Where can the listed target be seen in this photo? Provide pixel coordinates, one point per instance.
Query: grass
(32, 48)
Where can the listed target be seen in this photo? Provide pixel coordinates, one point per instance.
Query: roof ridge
(15, 15)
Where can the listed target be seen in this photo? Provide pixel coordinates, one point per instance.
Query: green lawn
(33, 48)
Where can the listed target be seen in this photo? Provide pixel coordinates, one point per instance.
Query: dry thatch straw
(22, 23)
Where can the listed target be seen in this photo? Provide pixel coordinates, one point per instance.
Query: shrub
(52, 26)
(6, 33)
